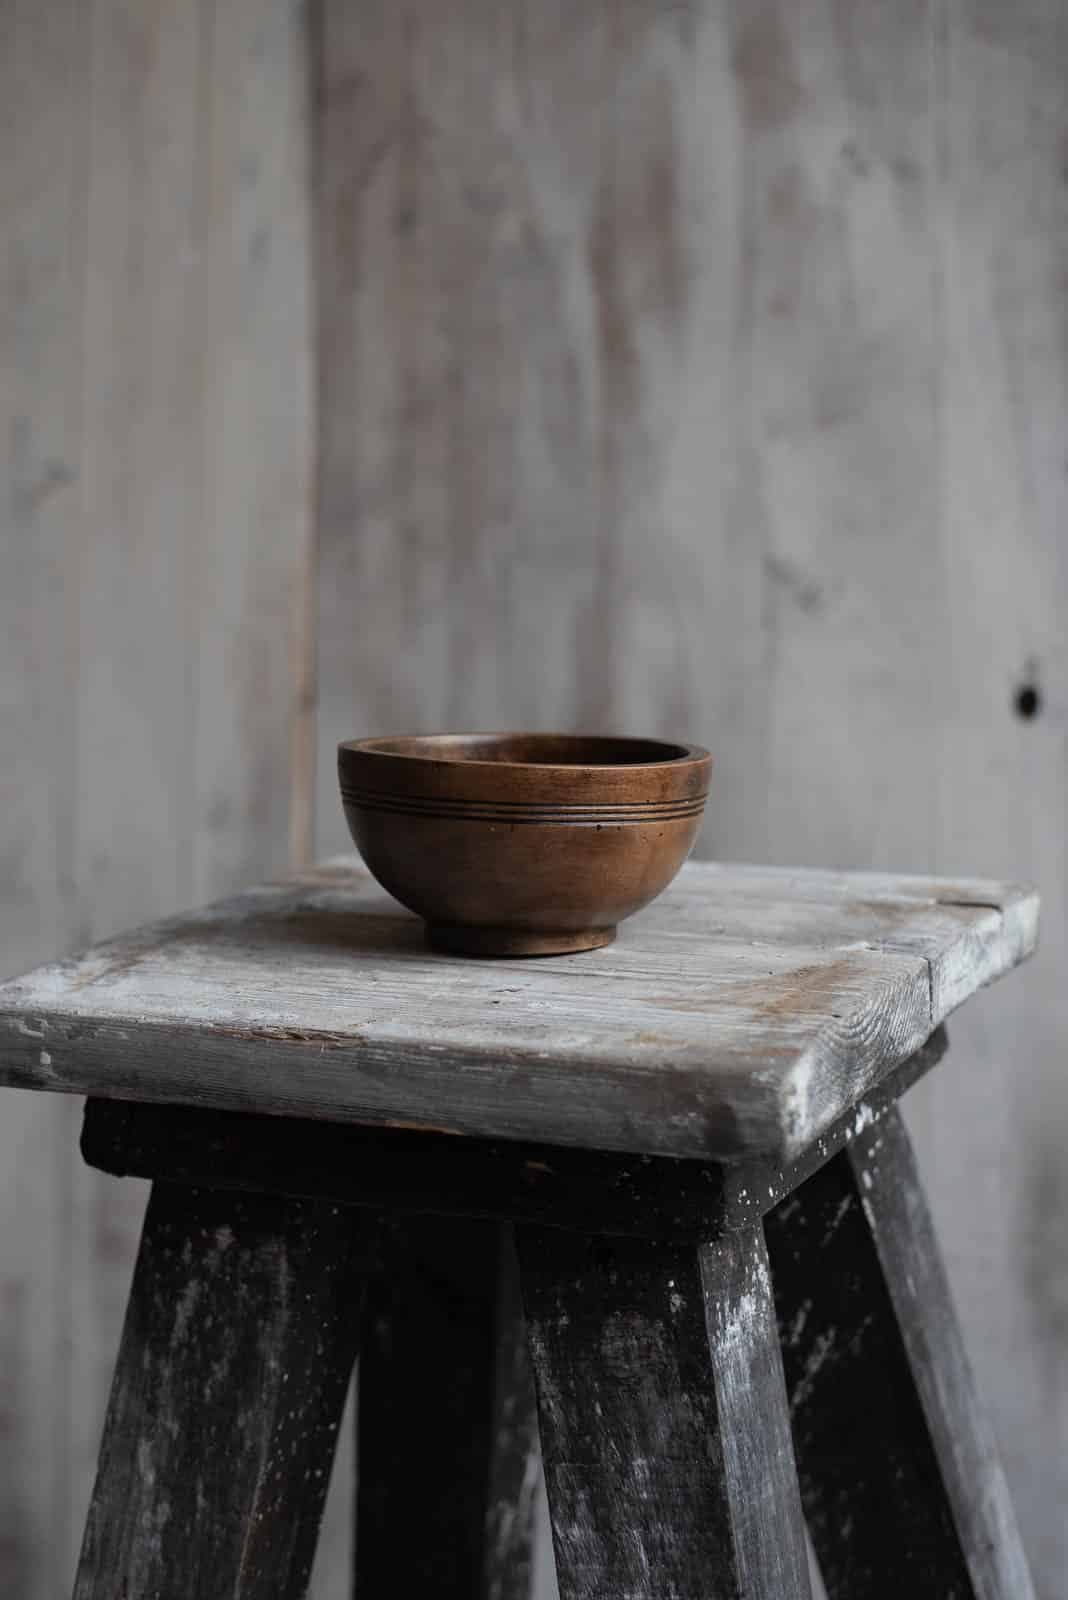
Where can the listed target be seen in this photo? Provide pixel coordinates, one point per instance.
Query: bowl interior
(532, 749)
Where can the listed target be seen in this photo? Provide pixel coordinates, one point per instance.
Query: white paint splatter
(797, 1326)
(796, 1096)
(817, 1358)
(866, 1117)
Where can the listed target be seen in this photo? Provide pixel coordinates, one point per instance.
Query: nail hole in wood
(1028, 702)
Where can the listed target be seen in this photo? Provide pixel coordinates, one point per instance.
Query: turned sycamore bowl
(522, 844)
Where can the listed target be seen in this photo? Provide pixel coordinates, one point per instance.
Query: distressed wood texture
(43, 1244)
(707, 379)
(447, 1434)
(236, 1354)
(994, 1165)
(704, 379)
(744, 1011)
(664, 1424)
(525, 518)
(516, 1479)
(154, 540)
(902, 1487)
(405, 1172)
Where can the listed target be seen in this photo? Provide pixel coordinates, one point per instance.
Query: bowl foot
(459, 940)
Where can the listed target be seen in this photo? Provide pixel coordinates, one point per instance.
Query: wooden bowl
(522, 844)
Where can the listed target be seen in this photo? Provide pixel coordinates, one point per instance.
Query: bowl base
(459, 940)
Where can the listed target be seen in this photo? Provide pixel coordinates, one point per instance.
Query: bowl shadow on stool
(522, 844)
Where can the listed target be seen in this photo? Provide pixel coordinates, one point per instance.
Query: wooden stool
(346, 1132)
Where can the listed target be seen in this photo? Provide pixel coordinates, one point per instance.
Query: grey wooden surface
(900, 1479)
(154, 539)
(719, 390)
(230, 1383)
(744, 1012)
(755, 438)
(663, 1415)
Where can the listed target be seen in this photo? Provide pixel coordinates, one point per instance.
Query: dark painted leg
(515, 1460)
(447, 1453)
(239, 1341)
(663, 1419)
(899, 1477)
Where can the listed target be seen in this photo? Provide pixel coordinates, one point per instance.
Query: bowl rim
(384, 745)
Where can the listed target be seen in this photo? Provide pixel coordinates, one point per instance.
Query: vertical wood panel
(700, 370)
(703, 370)
(140, 507)
(42, 121)
(527, 265)
(154, 361)
(255, 426)
(840, 343)
(995, 1160)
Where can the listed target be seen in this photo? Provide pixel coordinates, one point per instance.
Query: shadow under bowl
(522, 844)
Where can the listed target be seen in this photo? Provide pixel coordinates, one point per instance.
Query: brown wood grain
(522, 844)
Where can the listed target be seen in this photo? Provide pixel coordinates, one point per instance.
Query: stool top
(743, 1012)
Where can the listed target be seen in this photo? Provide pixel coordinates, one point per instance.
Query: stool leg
(448, 1450)
(235, 1357)
(663, 1419)
(899, 1476)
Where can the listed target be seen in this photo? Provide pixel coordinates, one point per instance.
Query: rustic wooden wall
(700, 369)
(695, 368)
(154, 467)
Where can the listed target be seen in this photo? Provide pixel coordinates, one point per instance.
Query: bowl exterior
(518, 873)
(533, 858)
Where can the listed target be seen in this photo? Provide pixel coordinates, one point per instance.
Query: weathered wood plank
(142, 476)
(42, 140)
(250, 773)
(138, 379)
(515, 1466)
(537, 279)
(896, 1211)
(836, 435)
(663, 1418)
(991, 1151)
(819, 502)
(443, 1505)
(106, 352)
(710, 1030)
(412, 1173)
(902, 1488)
(240, 1337)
